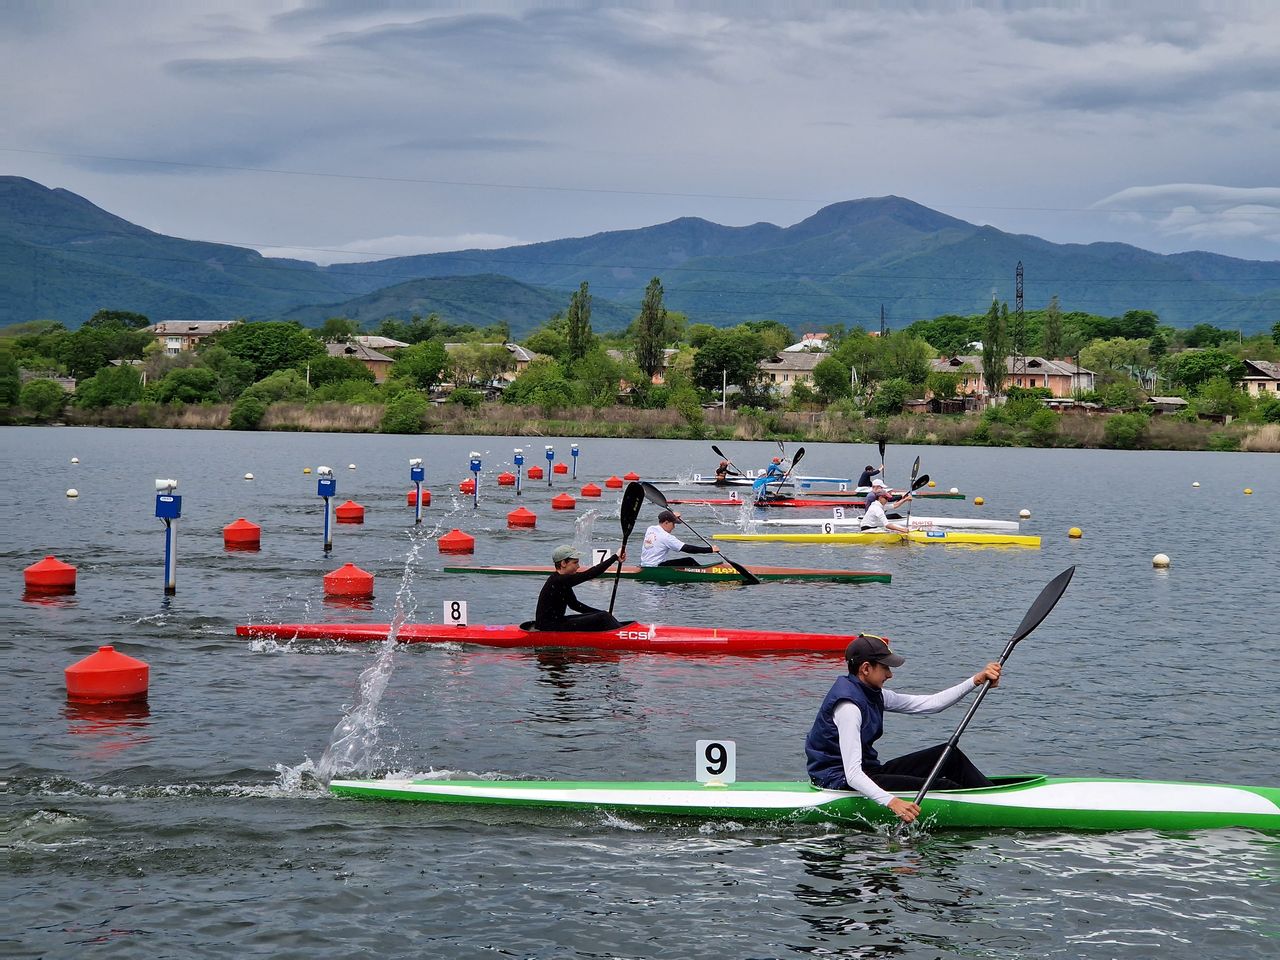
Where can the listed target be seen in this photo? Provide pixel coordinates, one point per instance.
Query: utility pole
(1019, 330)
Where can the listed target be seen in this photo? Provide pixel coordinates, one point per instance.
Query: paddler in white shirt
(875, 518)
(661, 546)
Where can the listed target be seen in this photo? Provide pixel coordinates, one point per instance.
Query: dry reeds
(1266, 439)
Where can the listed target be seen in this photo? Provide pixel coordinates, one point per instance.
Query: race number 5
(455, 612)
(837, 513)
(716, 761)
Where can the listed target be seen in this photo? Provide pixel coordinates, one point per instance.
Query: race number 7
(716, 761)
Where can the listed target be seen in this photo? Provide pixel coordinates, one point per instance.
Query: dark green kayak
(715, 573)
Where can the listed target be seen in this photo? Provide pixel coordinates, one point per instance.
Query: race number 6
(716, 760)
(455, 612)
(828, 526)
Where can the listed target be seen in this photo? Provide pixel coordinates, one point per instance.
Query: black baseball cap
(869, 648)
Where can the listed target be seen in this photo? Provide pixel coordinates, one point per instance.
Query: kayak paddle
(764, 491)
(924, 478)
(657, 498)
(720, 453)
(632, 501)
(882, 471)
(915, 472)
(1049, 596)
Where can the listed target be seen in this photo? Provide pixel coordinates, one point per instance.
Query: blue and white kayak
(917, 523)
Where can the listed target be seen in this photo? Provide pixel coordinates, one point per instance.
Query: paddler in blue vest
(772, 474)
(557, 594)
(841, 746)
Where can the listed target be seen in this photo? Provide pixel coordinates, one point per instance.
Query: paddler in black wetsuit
(722, 474)
(557, 594)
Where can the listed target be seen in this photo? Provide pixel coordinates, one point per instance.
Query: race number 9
(455, 612)
(716, 760)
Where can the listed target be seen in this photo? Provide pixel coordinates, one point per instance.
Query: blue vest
(822, 746)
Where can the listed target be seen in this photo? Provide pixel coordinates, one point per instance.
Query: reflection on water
(108, 728)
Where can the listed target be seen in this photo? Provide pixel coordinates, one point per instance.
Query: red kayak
(643, 637)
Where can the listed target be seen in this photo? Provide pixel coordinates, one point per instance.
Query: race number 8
(455, 612)
(716, 760)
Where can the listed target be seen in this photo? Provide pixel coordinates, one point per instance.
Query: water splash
(584, 529)
(352, 743)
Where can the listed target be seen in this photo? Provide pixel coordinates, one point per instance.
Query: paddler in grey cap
(841, 745)
(557, 594)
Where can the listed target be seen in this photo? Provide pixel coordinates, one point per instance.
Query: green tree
(338, 329)
(1207, 335)
(421, 364)
(125, 319)
(731, 354)
(404, 413)
(1220, 396)
(1193, 367)
(700, 333)
(995, 349)
(10, 381)
(281, 385)
(1126, 431)
(833, 379)
(1275, 333)
(1043, 426)
(1137, 325)
(651, 330)
(889, 397)
(89, 349)
(233, 374)
(189, 385)
(247, 413)
(44, 398)
(596, 377)
(269, 345)
(326, 370)
(902, 356)
(110, 387)
(1051, 333)
(578, 322)
(943, 384)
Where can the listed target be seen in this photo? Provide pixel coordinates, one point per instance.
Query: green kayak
(715, 573)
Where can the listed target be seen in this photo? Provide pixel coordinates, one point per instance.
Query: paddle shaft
(915, 472)
(720, 453)
(632, 500)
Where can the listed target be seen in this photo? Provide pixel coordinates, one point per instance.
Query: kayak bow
(714, 573)
(888, 537)
(1025, 802)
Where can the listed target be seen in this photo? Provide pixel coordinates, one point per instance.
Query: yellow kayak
(966, 537)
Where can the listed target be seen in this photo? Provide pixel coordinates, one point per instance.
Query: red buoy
(242, 534)
(349, 512)
(561, 468)
(348, 581)
(467, 486)
(563, 502)
(632, 476)
(50, 575)
(520, 517)
(106, 676)
(591, 490)
(535, 473)
(455, 541)
(411, 498)
(614, 483)
(506, 479)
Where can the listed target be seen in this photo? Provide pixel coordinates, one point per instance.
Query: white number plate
(455, 612)
(716, 760)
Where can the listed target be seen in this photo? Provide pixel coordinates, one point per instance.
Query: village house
(1061, 377)
(1261, 378)
(784, 370)
(379, 364)
(378, 343)
(810, 343)
(521, 357)
(659, 376)
(178, 336)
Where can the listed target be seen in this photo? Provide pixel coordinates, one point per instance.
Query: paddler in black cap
(841, 745)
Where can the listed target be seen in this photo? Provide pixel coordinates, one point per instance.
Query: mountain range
(62, 257)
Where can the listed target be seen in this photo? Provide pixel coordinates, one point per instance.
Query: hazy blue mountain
(62, 257)
(479, 300)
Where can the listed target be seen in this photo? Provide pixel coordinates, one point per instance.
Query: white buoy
(1160, 560)
(955, 489)
(351, 466)
(1024, 514)
(73, 493)
(1195, 483)
(248, 476)
(75, 459)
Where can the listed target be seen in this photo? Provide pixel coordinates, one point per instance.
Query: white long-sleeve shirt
(848, 721)
(659, 546)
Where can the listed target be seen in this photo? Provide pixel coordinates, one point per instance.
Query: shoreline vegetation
(1067, 430)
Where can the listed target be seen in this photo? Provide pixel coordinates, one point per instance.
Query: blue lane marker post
(417, 475)
(475, 483)
(551, 455)
(326, 487)
(169, 510)
(573, 449)
(519, 461)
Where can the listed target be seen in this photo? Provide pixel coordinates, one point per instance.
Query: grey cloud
(476, 144)
(1089, 27)
(1117, 89)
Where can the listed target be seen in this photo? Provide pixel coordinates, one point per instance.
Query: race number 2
(455, 612)
(716, 760)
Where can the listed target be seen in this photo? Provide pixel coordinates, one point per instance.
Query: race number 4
(455, 612)
(716, 761)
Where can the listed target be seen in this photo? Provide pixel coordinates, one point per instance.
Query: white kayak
(917, 523)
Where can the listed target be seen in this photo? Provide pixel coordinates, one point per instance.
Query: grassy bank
(497, 419)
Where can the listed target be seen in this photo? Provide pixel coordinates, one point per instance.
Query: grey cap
(564, 552)
(868, 647)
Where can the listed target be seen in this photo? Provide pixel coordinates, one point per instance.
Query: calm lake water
(196, 826)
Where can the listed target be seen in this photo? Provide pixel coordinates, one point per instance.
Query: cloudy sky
(347, 129)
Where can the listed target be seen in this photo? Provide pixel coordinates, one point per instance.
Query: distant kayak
(743, 480)
(794, 502)
(1018, 803)
(714, 573)
(887, 537)
(637, 637)
(917, 523)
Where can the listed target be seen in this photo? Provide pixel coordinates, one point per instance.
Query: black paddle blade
(718, 452)
(882, 451)
(1048, 598)
(654, 495)
(921, 481)
(747, 575)
(915, 471)
(797, 458)
(632, 501)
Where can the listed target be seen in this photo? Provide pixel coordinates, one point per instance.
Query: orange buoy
(348, 581)
(106, 676)
(563, 502)
(614, 483)
(506, 479)
(629, 477)
(50, 575)
(242, 534)
(591, 490)
(561, 468)
(467, 486)
(520, 517)
(411, 498)
(535, 473)
(350, 512)
(455, 541)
